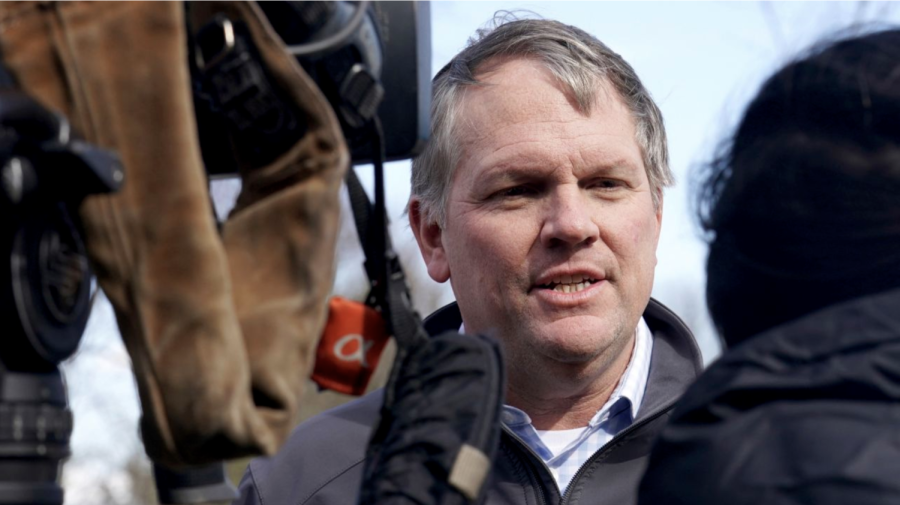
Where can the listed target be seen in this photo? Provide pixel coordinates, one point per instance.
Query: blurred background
(701, 61)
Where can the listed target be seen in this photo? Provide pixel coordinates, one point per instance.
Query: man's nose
(568, 220)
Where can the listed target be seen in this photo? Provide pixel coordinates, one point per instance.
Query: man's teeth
(571, 288)
(570, 283)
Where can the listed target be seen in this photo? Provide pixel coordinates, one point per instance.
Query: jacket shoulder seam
(256, 487)
(329, 480)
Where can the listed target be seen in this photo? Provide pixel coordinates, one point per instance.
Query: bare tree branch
(774, 25)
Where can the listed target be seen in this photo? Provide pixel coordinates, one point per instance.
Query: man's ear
(659, 217)
(429, 235)
(659, 207)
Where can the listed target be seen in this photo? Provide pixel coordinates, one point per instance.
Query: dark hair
(803, 204)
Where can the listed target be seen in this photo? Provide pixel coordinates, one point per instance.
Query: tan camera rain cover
(221, 328)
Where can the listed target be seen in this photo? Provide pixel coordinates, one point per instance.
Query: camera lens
(35, 427)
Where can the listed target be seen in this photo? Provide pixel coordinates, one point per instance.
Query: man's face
(550, 234)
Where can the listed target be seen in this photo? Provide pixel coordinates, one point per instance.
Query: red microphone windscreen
(352, 342)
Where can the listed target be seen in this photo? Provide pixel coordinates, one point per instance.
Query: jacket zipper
(480, 438)
(634, 427)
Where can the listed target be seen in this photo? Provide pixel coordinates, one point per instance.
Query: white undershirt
(559, 440)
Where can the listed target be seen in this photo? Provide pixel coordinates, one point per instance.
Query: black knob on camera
(44, 176)
(44, 287)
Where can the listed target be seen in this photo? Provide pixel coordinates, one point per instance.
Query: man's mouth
(569, 283)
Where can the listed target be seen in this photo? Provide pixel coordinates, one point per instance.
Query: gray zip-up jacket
(322, 462)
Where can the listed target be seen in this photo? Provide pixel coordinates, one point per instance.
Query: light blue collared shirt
(616, 414)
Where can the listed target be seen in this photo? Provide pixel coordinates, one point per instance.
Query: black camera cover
(395, 39)
(440, 425)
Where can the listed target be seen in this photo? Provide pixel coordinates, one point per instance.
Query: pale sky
(701, 62)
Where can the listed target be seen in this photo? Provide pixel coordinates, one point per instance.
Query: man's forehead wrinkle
(480, 105)
(578, 161)
(498, 159)
(539, 140)
(482, 125)
(582, 103)
(520, 74)
(538, 131)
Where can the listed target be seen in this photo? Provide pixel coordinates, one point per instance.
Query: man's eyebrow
(615, 167)
(524, 170)
(510, 172)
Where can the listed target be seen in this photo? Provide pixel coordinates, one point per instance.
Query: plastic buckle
(221, 44)
(236, 82)
(394, 268)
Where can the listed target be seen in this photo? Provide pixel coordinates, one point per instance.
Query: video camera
(371, 60)
(368, 58)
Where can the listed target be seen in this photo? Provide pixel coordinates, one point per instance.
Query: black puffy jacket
(806, 413)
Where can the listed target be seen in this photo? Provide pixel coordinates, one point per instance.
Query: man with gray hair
(540, 199)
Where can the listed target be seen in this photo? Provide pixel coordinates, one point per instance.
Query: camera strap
(389, 291)
(356, 334)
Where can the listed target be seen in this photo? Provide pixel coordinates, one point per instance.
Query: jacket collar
(674, 363)
(862, 322)
(836, 352)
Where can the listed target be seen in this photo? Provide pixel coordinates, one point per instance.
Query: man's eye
(514, 192)
(607, 184)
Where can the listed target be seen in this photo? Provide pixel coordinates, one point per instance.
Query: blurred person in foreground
(540, 199)
(804, 286)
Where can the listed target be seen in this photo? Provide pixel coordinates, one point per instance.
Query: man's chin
(575, 349)
(579, 340)
(570, 357)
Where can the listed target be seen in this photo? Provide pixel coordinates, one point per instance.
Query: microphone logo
(352, 347)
